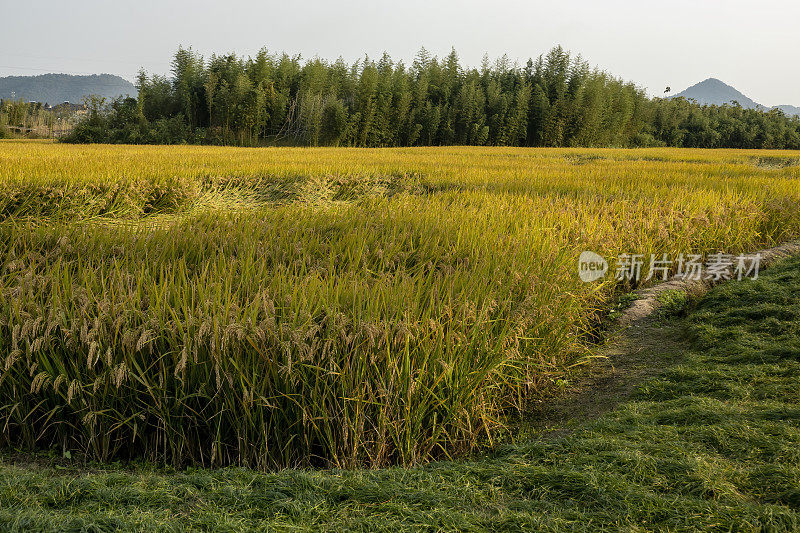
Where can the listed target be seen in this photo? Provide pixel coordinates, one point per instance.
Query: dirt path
(640, 345)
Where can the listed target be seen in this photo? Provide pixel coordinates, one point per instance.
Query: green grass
(711, 444)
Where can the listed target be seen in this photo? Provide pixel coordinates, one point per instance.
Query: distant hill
(789, 109)
(715, 92)
(58, 88)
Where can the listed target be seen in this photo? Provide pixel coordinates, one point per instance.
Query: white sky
(752, 45)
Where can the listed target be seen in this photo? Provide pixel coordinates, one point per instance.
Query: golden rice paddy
(282, 306)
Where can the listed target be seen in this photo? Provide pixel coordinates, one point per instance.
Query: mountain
(715, 92)
(789, 110)
(58, 88)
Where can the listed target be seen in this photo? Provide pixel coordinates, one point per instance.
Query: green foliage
(677, 122)
(557, 100)
(620, 305)
(27, 119)
(334, 122)
(673, 302)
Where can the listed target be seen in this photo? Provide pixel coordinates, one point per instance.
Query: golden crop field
(281, 306)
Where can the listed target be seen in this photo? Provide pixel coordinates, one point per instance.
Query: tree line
(554, 100)
(19, 118)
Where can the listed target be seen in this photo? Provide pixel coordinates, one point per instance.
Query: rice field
(278, 307)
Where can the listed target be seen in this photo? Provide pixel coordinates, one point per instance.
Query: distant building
(68, 107)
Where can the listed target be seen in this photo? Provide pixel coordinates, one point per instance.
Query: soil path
(641, 345)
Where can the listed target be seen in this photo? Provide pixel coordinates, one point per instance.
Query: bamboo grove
(556, 100)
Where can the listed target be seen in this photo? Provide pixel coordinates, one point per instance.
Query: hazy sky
(752, 45)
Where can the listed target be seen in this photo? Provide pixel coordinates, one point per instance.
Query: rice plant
(296, 306)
